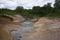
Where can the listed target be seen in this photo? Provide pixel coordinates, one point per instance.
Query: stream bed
(26, 26)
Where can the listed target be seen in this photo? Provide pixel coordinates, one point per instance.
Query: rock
(34, 20)
(18, 18)
(42, 22)
(46, 29)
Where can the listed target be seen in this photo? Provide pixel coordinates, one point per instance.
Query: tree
(47, 8)
(57, 5)
(36, 10)
(19, 9)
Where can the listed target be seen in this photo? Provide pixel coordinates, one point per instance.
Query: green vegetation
(36, 11)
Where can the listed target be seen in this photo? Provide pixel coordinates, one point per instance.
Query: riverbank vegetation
(45, 11)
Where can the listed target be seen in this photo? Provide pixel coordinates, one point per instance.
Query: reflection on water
(26, 26)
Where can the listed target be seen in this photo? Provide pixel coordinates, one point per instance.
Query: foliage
(36, 11)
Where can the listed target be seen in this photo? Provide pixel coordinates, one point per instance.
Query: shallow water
(26, 26)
